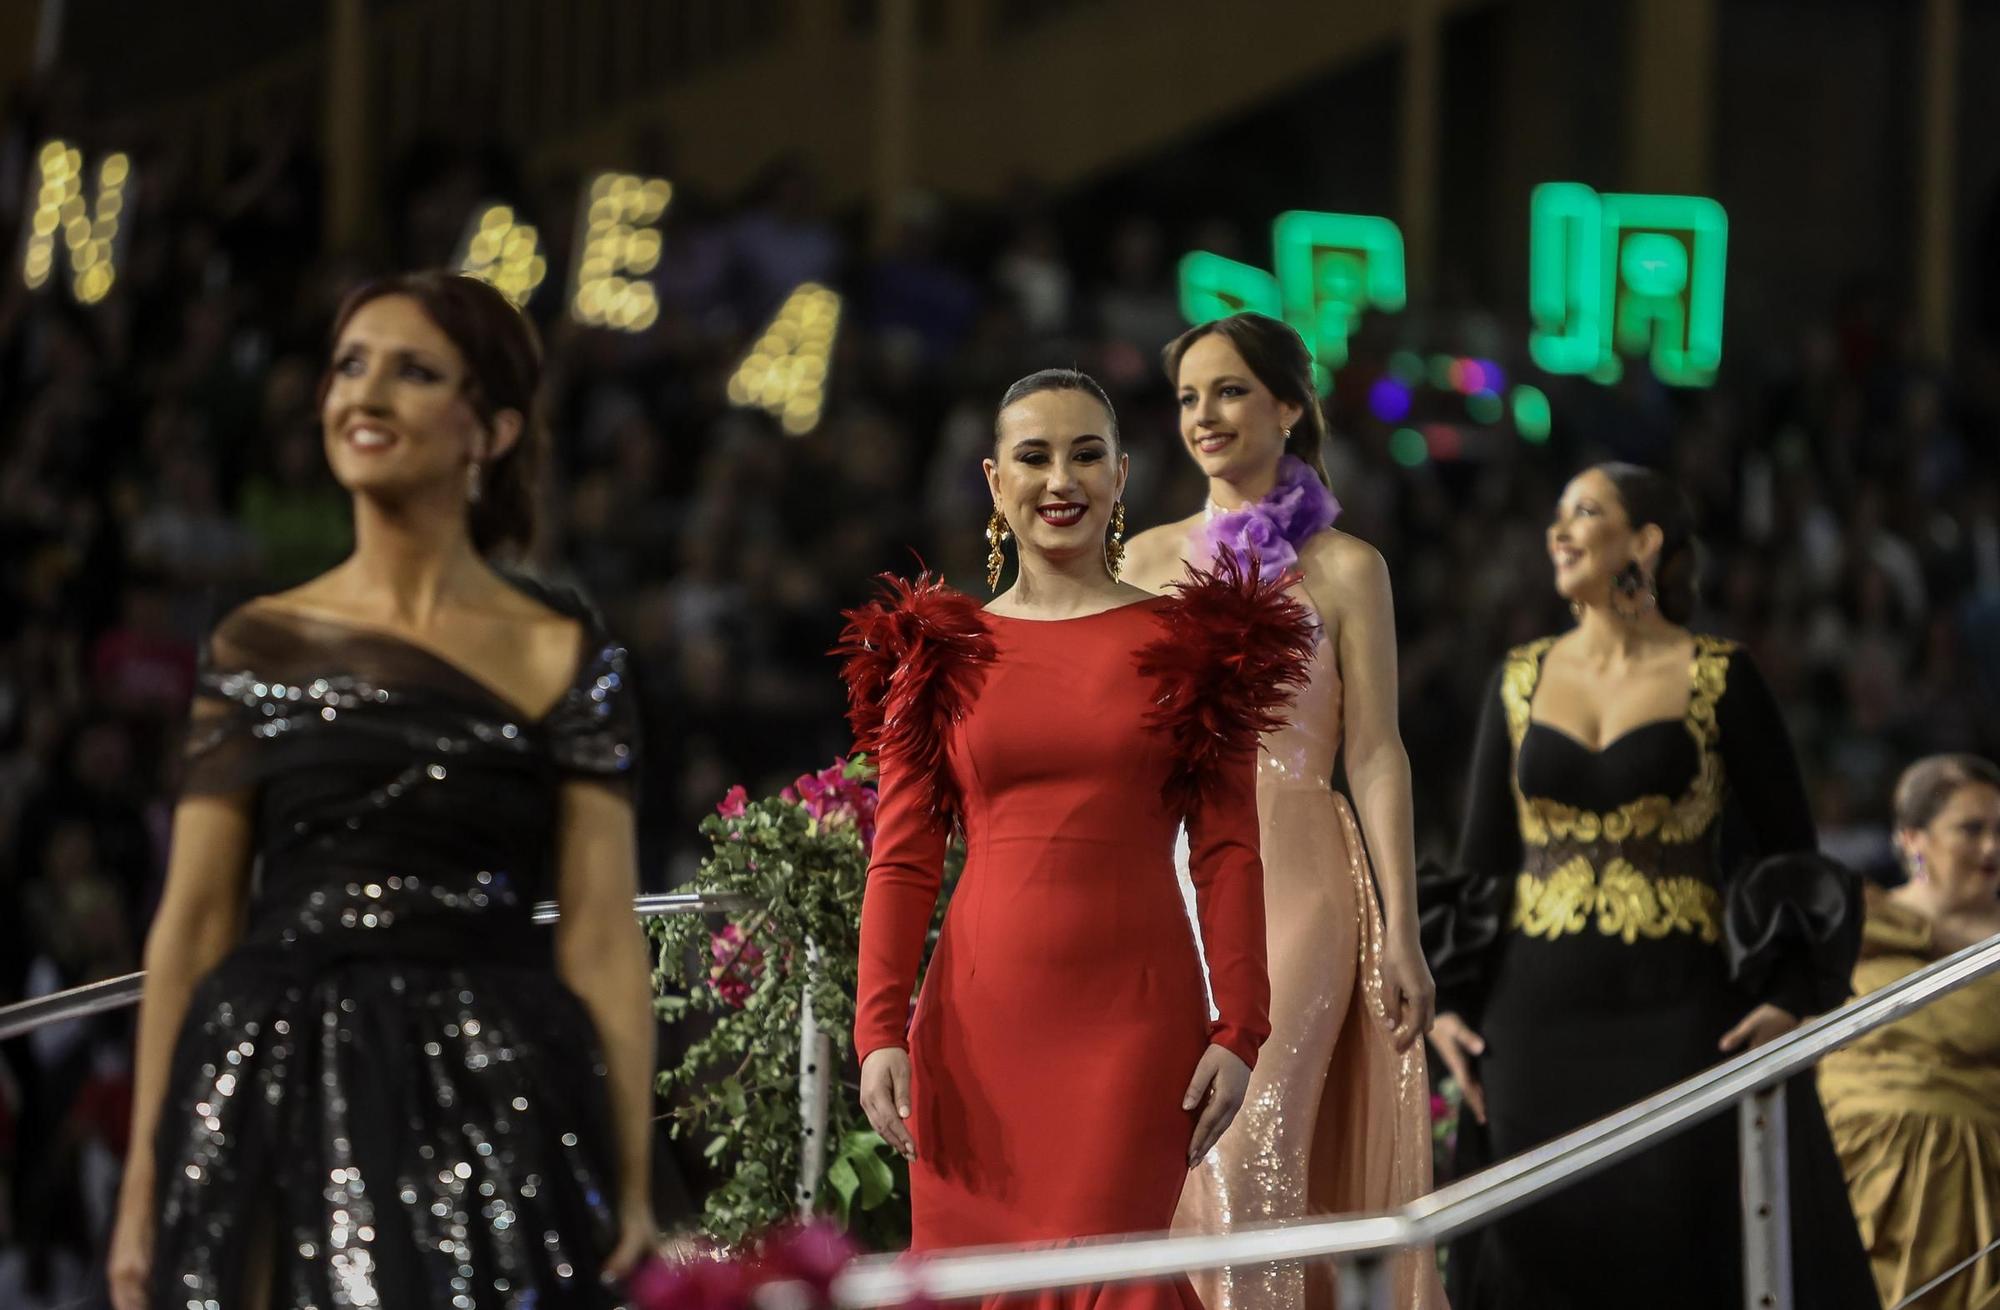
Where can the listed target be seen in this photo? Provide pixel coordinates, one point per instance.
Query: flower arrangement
(1447, 1103)
(801, 860)
(793, 1266)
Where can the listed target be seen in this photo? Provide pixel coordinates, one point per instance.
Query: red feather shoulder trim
(913, 658)
(1235, 650)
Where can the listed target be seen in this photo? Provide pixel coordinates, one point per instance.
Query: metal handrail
(1961, 1267)
(115, 993)
(1467, 1203)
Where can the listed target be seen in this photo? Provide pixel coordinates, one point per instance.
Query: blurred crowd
(160, 460)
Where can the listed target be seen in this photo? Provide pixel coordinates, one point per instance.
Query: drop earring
(996, 559)
(473, 490)
(1634, 593)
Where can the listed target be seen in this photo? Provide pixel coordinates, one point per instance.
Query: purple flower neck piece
(1270, 532)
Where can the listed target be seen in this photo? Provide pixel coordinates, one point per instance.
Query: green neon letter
(1635, 275)
(1331, 268)
(1213, 286)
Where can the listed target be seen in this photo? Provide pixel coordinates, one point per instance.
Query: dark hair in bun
(1651, 498)
(1056, 379)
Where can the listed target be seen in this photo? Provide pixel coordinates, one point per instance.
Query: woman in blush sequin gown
(365, 1077)
(1337, 1116)
(1062, 1070)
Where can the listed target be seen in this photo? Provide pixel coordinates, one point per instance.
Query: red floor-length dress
(1062, 1015)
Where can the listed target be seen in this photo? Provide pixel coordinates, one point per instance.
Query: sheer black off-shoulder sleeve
(1792, 917)
(238, 722)
(278, 690)
(1464, 909)
(593, 731)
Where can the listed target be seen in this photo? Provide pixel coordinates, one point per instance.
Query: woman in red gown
(1061, 1069)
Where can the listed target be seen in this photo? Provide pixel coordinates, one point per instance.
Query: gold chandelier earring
(1114, 544)
(996, 559)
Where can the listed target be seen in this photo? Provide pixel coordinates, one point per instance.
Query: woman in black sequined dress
(365, 1076)
(1635, 898)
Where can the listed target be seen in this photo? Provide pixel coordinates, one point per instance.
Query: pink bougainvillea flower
(735, 802)
(707, 1281)
(808, 1257)
(738, 963)
(811, 1254)
(835, 798)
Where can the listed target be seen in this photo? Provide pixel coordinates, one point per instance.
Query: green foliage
(802, 864)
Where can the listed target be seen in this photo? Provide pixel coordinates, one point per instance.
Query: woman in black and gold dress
(1635, 898)
(365, 1077)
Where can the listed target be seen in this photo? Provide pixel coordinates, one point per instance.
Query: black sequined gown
(385, 1084)
(1613, 913)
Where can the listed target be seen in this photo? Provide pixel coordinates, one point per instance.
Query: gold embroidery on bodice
(1623, 902)
(1565, 890)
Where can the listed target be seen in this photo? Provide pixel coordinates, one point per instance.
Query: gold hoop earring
(1114, 544)
(996, 559)
(473, 491)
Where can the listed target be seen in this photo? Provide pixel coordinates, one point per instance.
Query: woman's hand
(1764, 1024)
(1458, 1046)
(885, 1097)
(129, 1264)
(1408, 994)
(638, 1237)
(1218, 1086)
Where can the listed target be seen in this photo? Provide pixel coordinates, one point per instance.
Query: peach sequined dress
(1335, 1120)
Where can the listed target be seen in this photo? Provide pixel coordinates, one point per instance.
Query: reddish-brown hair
(503, 359)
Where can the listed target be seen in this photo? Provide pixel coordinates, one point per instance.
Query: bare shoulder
(1342, 570)
(308, 600)
(1157, 557)
(310, 596)
(548, 637)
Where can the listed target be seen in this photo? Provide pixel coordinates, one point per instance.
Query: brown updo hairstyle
(1651, 497)
(503, 359)
(1278, 358)
(1927, 786)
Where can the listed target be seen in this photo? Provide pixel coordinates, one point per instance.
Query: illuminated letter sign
(499, 249)
(617, 246)
(1215, 286)
(1331, 268)
(1626, 275)
(60, 215)
(785, 373)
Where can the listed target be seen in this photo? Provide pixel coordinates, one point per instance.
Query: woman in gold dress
(1336, 1116)
(1915, 1107)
